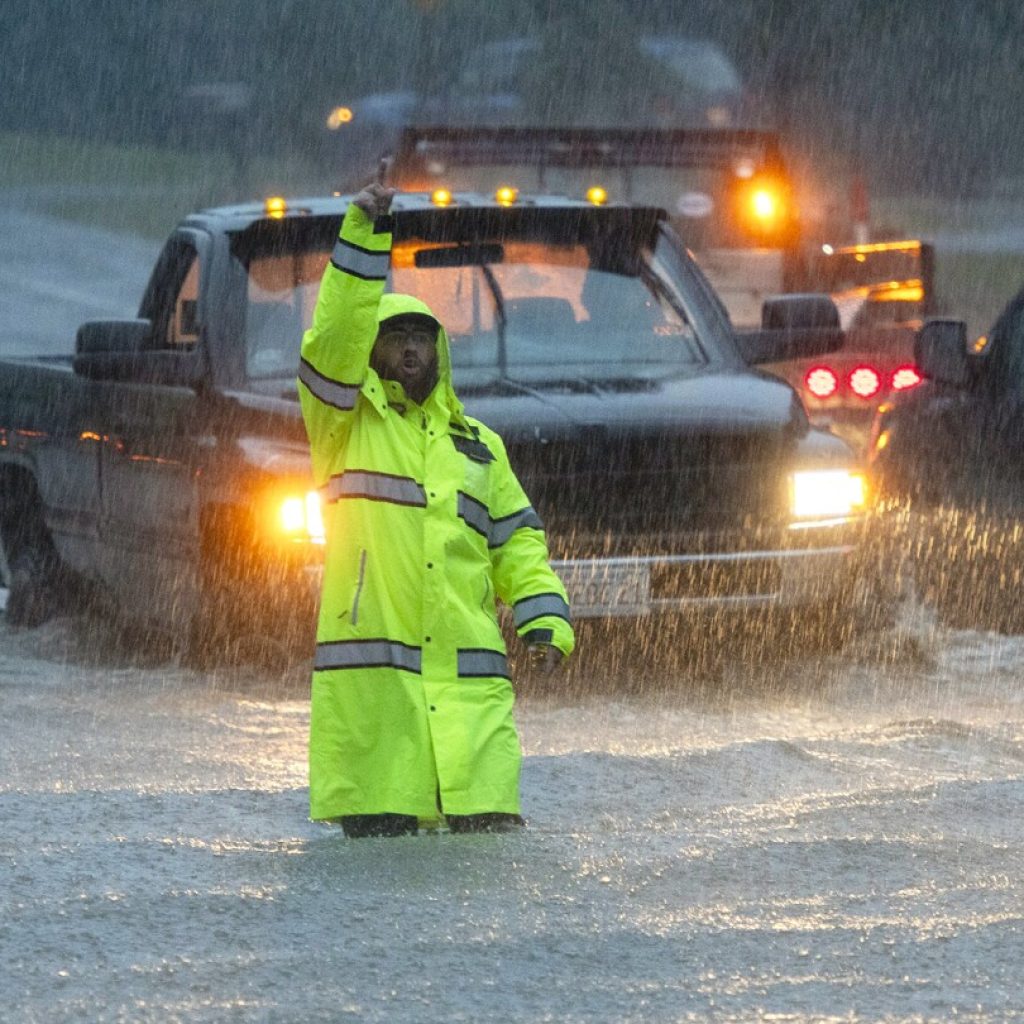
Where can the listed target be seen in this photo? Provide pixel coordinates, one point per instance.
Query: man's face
(406, 351)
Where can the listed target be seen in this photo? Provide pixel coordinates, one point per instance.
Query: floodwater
(844, 847)
(826, 839)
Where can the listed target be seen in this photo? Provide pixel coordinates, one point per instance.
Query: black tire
(32, 596)
(32, 569)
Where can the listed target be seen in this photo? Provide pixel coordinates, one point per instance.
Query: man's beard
(420, 385)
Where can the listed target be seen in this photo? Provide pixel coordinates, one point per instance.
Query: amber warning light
(764, 204)
(275, 207)
(339, 116)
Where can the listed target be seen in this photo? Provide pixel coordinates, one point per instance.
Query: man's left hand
(545, 658)
(375, 200)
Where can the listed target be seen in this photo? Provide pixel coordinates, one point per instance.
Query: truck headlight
(301, 517)
(827, 494)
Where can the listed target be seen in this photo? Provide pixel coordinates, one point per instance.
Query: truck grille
(655, 495)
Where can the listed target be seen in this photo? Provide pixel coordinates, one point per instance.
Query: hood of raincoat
(394, 304)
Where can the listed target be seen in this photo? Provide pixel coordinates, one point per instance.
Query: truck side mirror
(799, 312)
(112, 336)
(793, 327)
(119, 350)
(940, 351)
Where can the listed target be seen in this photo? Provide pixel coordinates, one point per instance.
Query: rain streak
(738, 285)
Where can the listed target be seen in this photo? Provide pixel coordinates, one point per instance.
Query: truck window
(281, 295)
(591, 297)
(172, 301)
(560, 308)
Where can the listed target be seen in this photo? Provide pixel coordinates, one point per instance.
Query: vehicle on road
(689, 83)
(165, 464)
(732, 198)
(949, 456)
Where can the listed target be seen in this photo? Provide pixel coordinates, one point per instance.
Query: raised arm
(336, 349)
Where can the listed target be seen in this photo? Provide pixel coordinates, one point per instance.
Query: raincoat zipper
(359, 586)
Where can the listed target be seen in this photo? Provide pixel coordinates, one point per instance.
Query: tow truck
(732, 200)
(164, 467)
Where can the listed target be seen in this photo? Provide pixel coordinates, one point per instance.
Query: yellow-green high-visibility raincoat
(427, 526)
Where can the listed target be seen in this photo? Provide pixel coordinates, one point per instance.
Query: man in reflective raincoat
(427, 526)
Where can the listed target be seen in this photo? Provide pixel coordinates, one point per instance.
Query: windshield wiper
(585, 385)
(502, 319)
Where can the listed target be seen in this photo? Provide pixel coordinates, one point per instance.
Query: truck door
(149, 472)
(992, 418)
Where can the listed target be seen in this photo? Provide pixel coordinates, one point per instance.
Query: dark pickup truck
(950, 459)
(164, 465)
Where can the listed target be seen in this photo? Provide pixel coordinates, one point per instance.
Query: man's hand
(375, 200)
(544, 658)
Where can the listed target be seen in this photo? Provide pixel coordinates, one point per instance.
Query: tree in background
(920, 93)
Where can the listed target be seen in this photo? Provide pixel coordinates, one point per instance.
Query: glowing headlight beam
(827, 493)
(302, 516)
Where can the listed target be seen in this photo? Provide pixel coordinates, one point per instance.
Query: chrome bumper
(645, 585)
(749, 580)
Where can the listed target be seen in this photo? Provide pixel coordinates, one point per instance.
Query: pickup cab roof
(240, 216)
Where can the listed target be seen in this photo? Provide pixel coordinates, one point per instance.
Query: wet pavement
(55, 275)
(829, 838)
(844, 847)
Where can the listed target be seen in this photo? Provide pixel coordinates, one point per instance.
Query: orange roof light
(506, 195)
(275, 207)
(764, 204)
(910, 245)
(597, 195)
(339, 116)
(441, 197)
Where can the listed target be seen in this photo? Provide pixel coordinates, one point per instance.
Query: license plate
(605, 588)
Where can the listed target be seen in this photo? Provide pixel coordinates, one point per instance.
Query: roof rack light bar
(588, 147)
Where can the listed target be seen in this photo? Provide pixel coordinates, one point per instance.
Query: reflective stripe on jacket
(411, 699)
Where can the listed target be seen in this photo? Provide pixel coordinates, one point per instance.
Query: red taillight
(865, 382)
(821, 382)
(905, 378)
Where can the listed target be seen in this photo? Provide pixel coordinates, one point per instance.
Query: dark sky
(917, 92)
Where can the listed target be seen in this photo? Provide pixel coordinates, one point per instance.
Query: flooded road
(846, 847)
(827, 839)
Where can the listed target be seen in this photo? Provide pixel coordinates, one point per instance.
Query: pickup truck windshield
(528, 310)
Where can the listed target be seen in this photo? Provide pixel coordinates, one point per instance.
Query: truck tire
(32, 594)
(29, 566)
